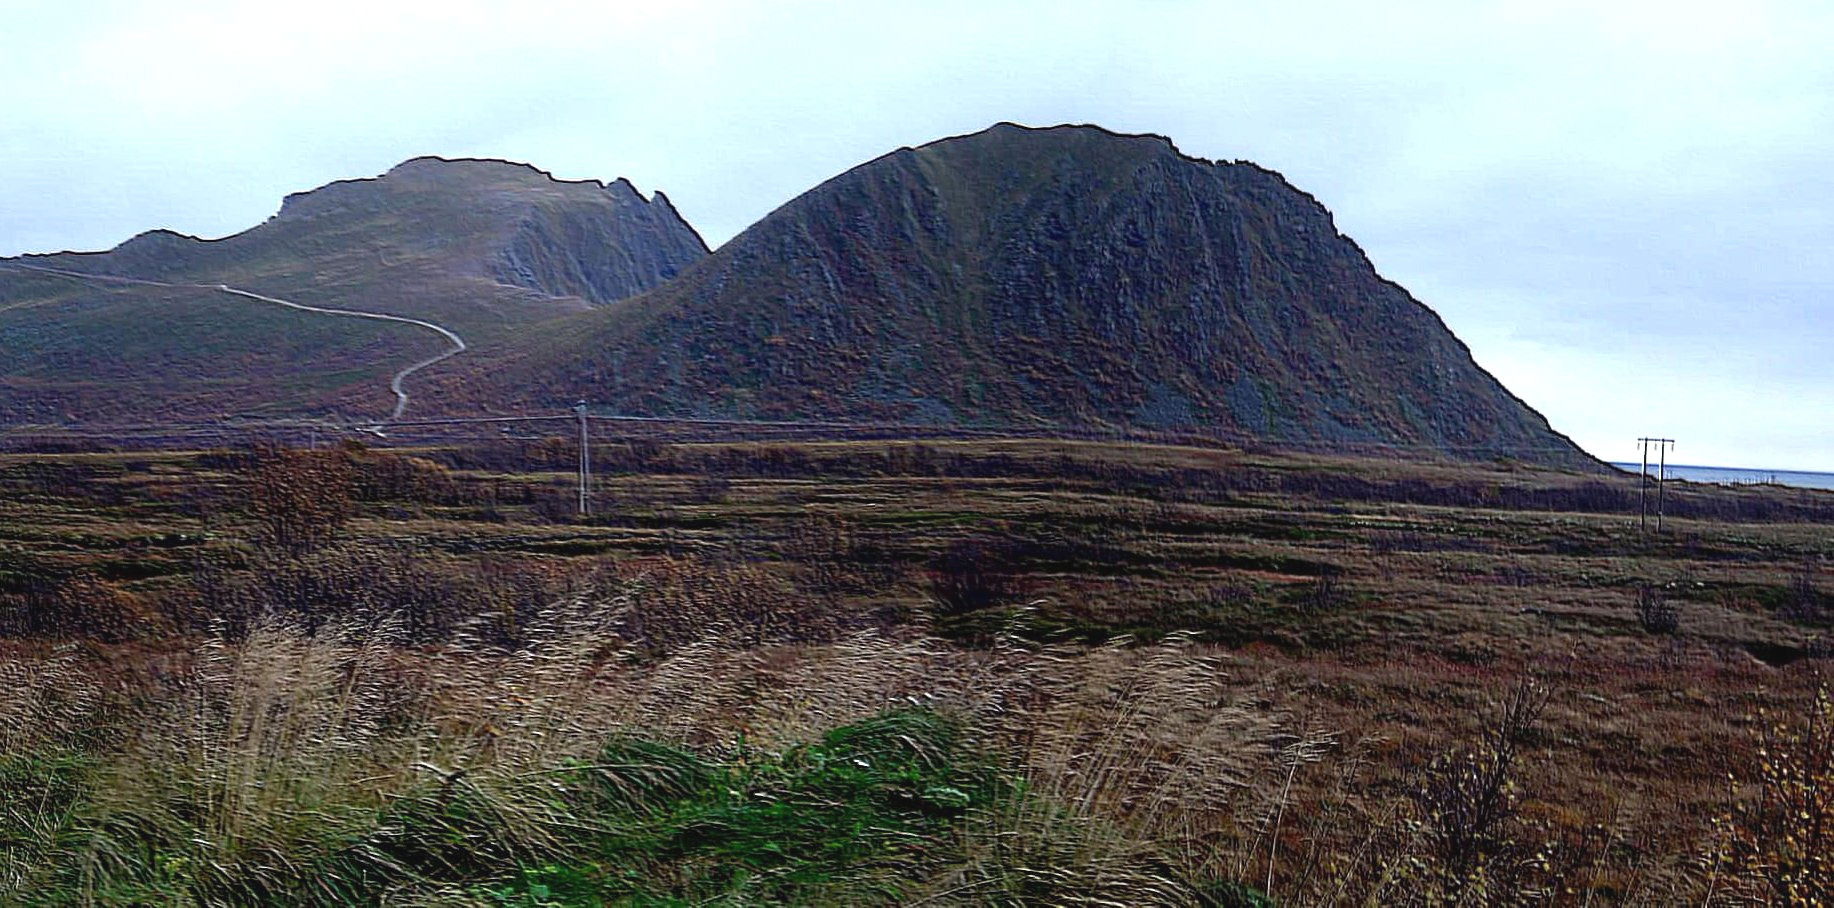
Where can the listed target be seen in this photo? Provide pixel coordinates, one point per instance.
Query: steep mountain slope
(485, 248)
(1038, 276)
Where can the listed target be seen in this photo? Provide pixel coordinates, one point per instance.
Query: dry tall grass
(256, 771)
(346, 765)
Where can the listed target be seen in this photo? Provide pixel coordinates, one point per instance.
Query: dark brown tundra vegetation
(1021, 671)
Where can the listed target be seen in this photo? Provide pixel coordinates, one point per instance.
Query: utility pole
(1662, 446)
(1643, 490)
(1662, 480)
(585, 459)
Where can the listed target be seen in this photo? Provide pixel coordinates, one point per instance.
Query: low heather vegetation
(1040, 673)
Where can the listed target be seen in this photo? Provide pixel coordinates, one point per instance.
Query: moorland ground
(954, 671)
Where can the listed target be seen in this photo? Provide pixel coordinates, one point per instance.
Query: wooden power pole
(1662, 446)
(1643, 489)
(585, 459)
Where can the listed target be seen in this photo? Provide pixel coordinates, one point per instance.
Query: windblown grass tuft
(339, 766)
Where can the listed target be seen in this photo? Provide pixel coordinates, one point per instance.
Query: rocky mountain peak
(1061, 275)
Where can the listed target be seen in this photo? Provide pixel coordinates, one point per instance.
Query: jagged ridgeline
(1064, 277)
(485, 248)
(1067, 276)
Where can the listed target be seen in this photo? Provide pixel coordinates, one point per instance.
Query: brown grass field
(978, 671)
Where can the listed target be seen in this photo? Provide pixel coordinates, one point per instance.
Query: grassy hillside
(76, 352)
(485, 248)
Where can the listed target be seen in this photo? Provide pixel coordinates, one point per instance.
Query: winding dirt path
(395, 383)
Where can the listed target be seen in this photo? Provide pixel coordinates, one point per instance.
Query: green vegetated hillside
(1065, 276)
(78, 352)
(482, 247)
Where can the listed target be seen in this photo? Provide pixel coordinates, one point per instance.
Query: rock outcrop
(603, 253)
(1065, 276)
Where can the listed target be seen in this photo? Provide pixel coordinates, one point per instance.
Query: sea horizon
(1807, 479)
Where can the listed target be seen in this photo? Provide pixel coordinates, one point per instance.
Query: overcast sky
(1627, 214)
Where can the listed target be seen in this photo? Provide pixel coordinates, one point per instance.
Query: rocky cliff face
(1049, 276)
(619, 246)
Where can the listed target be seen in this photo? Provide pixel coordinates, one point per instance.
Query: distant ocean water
(1740, 475)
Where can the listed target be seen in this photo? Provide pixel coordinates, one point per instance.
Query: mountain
(1061, 276)
(483, 248)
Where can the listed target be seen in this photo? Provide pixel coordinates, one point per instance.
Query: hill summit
(484, 248)
(1059, 276)
(500, 221)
